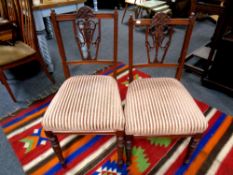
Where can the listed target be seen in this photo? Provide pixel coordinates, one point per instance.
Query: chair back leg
(123, 16)
(56, 146)
(44, 67)
(5, 83)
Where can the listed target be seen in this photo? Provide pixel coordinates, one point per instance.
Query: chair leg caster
(63, 164)
(120, 163)
(128, 163)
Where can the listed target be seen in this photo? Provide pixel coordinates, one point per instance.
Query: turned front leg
(120, 148)
(128, 147)
(56, 146)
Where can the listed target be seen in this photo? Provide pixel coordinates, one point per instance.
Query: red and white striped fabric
(89, 103)
(161, 106)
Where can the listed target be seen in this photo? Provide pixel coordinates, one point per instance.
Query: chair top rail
(172, 21)
(70, 17)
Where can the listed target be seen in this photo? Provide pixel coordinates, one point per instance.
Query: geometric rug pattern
(97, 154)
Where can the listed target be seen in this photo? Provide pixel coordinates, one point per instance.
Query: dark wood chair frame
(88, 15)
(28, 36)
(162, 23)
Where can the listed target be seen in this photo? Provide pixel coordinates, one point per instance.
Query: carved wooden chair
(26, 49)
(161, 106)
(85, 104)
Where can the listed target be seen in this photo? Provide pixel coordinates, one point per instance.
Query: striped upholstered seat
(161, 106)
(85, 104)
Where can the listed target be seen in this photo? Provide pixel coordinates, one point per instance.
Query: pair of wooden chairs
(26, 47)
(90, 104)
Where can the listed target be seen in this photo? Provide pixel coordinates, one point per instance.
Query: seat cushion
(161, 106)
(86, 104)
(14, 53)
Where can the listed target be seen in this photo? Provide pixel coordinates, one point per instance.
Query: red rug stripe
(203, 107)
(213, 119)
(226, 166)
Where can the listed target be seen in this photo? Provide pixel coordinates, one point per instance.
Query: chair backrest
(159, 32)
(27, 26)
(86, 27)
(12, 10)
(2, 9)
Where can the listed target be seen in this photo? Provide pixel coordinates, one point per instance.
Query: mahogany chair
(85, 104)
(161, 106)
(26, 49)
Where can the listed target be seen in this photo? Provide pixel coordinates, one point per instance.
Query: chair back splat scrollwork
(85, 32)
(158, 37)
(161, 35)
(86, 26)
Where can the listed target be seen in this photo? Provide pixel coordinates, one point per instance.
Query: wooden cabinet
(219, 74)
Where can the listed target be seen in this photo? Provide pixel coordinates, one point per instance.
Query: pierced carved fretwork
(87, 37)
(161, 34)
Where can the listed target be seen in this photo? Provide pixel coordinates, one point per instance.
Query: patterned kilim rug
(97, 154)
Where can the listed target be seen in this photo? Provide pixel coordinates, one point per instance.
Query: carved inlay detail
(161, 34)
(86, 37)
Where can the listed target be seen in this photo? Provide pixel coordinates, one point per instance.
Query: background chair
(87, 104)
(150, 6)
(26, 48)
(135, 9)
(9, 22)
(161, 106)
